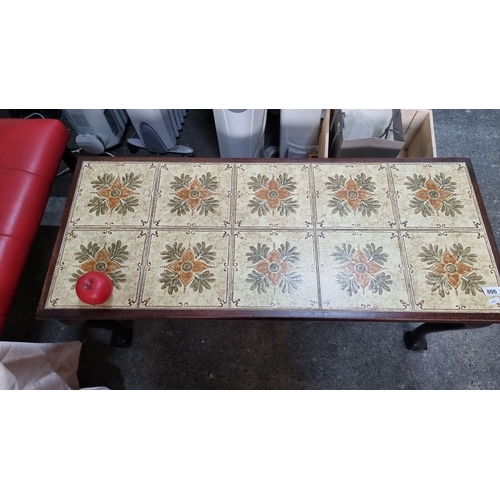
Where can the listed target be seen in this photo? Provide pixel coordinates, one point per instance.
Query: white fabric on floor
(26, 365)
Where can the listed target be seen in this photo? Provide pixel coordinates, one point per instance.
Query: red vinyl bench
(30, 153)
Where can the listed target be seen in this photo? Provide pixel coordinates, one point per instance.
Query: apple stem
(88, 284)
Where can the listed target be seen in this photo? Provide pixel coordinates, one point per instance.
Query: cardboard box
(369, 147)
(418, 129)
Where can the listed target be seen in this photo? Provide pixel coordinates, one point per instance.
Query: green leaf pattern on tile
(362, 269)
(103, 181)
(115, 194)
(173, 252)
(108, 260)
(273, 268)
(451, 269)
(187, 267)
(258, 182)
(87, 253)
(258, 253)
(118, 252)
(98, 205)
(434, 195)
(344, 253)
(272, 195)
(194, 195)
(352, 195)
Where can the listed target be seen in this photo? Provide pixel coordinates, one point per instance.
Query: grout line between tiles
(232, 244)
(314, 216)
(393, 195)
(147, 245)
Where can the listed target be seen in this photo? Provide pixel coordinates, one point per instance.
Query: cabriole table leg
(415, 340)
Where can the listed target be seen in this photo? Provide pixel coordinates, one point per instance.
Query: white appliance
(158, 130)
(240, 132)
(299, 132)
(97, 129)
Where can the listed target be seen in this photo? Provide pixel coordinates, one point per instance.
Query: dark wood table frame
(120, 321)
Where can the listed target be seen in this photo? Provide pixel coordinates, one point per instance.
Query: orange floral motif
(194, 194)
(187, 266)
(352, 194)
(451, 268)
(101, 262)
(361, 268)
(115, 193)
(433, 194)
(273, 194)
(274, 267)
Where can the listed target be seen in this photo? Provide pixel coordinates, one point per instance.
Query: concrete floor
(277, 354)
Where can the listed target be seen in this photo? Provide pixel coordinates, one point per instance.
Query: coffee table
(348, 239)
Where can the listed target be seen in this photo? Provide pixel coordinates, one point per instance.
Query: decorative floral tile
(434, 195)
(275, 269)
(174, 235)
(353, 195)
(273, 195)
(187, 269)
(113, 194)
(448, 270)
(118, 254)
(362, 270)
(193, 194)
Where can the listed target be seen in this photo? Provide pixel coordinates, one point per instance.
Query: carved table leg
(416, 339)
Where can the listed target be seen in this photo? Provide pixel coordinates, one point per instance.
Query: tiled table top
(334, 239)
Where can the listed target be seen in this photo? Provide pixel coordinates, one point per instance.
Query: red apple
(94, 288)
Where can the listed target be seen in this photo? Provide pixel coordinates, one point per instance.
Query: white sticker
(491, 291)
(494, 300)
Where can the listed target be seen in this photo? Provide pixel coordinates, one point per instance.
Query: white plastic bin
(240, 132)
(299, 132)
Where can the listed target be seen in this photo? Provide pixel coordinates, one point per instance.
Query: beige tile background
(85, 192)
(154, 296)
(457, 299)
(69, 264)
(306, 296)
(458, 173)
(334, 297)
(301, 194)
(378, 173)
(219, 218)
(231, 266)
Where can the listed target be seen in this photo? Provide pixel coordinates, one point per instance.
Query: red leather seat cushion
(23, 197)
(33, 145)
(30, 154)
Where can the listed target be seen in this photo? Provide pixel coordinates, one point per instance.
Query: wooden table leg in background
(416, 339)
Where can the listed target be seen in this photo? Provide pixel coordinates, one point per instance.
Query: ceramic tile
(274, 269)
(362, 270)
(353, 195)
(434, 195)
(310, 249)
(448, 270)
(187, 269)
(273, 195)
(117, 253)
(113, 194)
(193, 194)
